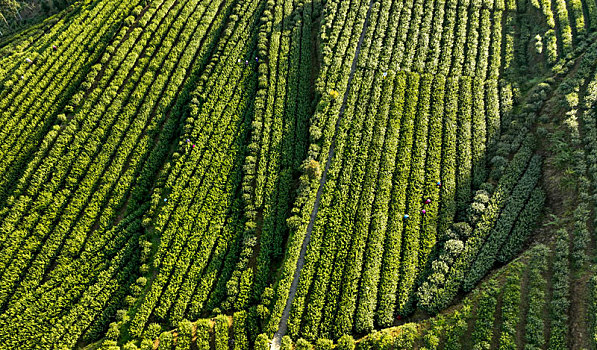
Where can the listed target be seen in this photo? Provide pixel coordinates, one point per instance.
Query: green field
(298, 174)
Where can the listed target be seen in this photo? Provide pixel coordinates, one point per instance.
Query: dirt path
(277, 340)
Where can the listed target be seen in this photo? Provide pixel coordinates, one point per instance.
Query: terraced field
(291, 174)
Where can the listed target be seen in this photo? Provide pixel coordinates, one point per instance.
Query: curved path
(277, 340)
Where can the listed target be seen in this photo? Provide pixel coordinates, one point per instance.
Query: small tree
(262, 342)
(313, 169)
(346, 342)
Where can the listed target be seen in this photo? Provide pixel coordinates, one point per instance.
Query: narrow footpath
(277, 340)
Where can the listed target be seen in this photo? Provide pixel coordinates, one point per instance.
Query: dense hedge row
(486, 314)
(560, 299)
(592, 310)
(35, 93)
(400, 187)
(277, 142)
(523, 228)
(331, 36)
(499, 234)
(332, 126)
(454, 262)
(511, 311)
(495, 306)
(180, 276)
(356, 162)
(81, 155)
(371, 270)
(536, 298)
(459, 327)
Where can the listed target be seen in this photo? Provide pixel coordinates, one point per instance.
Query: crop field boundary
(276, 341)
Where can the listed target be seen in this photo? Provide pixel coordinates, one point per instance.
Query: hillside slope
(302, 171)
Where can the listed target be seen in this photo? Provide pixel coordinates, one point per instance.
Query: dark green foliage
(221, 333)
(262, 342)
(324, 344)
(166, 341)
(346, 342)
(486, 312)
(511, 312)
(239, 325)
(167, 160)
(185, 333)
(536, 298)
(203, 336)
(303, 344)
(560, 300)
